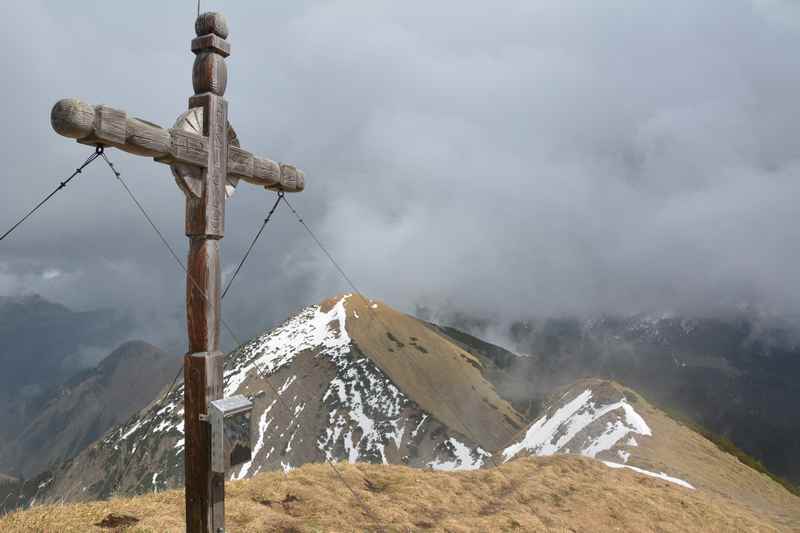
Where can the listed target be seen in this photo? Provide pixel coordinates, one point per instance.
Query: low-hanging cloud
(519, 158)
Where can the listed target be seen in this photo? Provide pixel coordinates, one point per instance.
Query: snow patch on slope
(463, 458)
(310, 329)
(555, 433)
(307, 330)
(364, 405)
(368, 416)
(659, 475)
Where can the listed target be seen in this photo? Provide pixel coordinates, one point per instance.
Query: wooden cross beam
(204, 154)
(182, 145)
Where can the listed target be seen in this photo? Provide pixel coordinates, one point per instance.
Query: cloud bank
(524, 158)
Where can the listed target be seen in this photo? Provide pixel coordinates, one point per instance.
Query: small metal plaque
(231, 443)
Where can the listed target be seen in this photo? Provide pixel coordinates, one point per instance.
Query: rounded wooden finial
(211, 23)
(72, 118)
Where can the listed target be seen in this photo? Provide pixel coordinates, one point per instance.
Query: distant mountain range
(354, 381)
(357, 381)
(81, 410)
(43, 345)
(606, 421)
(734, 376)
(57, 398)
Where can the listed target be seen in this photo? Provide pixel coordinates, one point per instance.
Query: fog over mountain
(524, 158)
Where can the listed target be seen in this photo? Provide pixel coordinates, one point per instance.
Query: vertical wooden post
(200, 165)
(205, 220)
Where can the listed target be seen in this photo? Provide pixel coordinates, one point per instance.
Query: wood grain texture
(211, 221)
(266, 172)
(214, 391)
(204, 489)
(186, 145)
(202, 373)
(203, 294)
(205, 225)
(188, 148)
(292, 179)
(72, 118)
(240, 162)
(110, 125)
(146, 139)
(189, 176)
(209, 73)
(197, 468)
(212, 22)
(204, 155)
(211, 42)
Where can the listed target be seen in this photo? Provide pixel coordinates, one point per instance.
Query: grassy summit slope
(429, 368)
(532, 494)
(588, 418)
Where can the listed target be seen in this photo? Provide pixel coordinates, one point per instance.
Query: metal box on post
(230, 432)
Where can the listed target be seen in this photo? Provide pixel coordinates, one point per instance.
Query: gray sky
(514, 158)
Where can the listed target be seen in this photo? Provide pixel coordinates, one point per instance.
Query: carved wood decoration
(190, 177)
(207, 162)
(77, 120)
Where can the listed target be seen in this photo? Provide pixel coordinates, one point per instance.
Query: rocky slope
(356, 381)
(608, 422)
(734, 374)
(539, 494)
(344, 380)
(44, 344)
(85, 407)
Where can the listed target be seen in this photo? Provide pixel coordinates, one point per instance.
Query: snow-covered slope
(582, 426)
(611, 423)
(320, 393)
(597, 421)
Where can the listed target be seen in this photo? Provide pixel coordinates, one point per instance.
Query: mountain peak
(352, 379)
(604, 420)
(75, 414)
(348, 379)
(32, 303)
(133, 351)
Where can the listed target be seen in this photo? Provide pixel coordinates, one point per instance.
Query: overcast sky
(513, 158)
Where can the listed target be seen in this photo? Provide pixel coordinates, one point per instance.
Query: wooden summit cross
(204, 155)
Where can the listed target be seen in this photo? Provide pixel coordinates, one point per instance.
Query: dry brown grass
(684, 453)
(560, 493)
(422, 364)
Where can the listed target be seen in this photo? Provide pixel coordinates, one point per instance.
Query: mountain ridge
(78, 412)
(44, 344)
(732, 374)
(354, 380)
(618, 426)
(335, 402)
